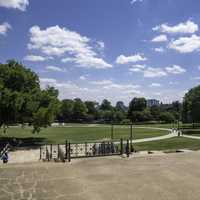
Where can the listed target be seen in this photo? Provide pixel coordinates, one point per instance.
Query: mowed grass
(78, 133)
(169, 144)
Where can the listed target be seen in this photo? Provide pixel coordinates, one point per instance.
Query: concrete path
(191, 136)
(170, 135)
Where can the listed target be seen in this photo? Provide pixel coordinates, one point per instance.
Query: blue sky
(114, 49)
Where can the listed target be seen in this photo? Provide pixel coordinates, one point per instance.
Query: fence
(83, 150)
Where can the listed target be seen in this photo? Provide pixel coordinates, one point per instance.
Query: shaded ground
(169, 177)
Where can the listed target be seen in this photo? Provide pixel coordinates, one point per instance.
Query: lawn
(169, 144)
(77, 133)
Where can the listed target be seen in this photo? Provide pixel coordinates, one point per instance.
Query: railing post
(127, 148)
(121, 146)
(40, 153)
(66, 149)
(51, 152)
(69, 152)
(58, 152)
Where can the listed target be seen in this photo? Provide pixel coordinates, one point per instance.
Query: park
(99, 100)
(72, 149)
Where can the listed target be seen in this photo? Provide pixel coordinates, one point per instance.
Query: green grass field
(169, 144)
(78, 133)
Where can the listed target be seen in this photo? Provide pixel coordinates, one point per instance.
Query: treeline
(93, 112)
(22, 101)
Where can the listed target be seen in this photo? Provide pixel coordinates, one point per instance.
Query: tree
(120, 106)
(106, 105)
(135, 106)
(21, 98)
(66, 110)
(79, 110)
(155, 112)
(167, 117)
(191, 105)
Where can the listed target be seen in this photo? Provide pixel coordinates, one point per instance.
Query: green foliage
(191, 105)
(106, 105)
(21, 99)
(167, 117)
(79, 110)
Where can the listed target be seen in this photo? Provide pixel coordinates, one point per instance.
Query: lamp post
(131, 136)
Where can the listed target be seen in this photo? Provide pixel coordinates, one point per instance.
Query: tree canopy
(22, 100)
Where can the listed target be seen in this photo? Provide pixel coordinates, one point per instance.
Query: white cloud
(4, 28)
(152, 72)
(155, 85)
(159, 49)
(160, 38)
(175, 69)
(101, 44)
(173, 82)
(196, 78)
(102, 82)
(55, 68)
(57, 41)
(137, 68)
(134, 1)
(16, 4)
(82, 78)
(121, 86)
(186, 44)
(186, 27)
(130, 59)
(35, 58)
(70, 90)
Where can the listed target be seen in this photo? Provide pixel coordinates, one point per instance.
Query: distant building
(152, 102)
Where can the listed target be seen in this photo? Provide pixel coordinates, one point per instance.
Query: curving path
(191, 136)
(172, 133)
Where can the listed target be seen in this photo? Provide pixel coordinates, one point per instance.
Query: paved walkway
(191, 136)
(170, 135)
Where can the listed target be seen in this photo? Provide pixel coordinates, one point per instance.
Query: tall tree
(79, 110)
(191, 105)
(106, 105)
(135, 106)
(21, 98)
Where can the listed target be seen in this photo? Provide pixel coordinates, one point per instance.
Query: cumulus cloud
(4, 28)
(16, 4)
(160, 38)
(137, 68)
(35, 58)
(135, 1)
(130, 59)
(70, 90)
(184, 28)
(159, 49)
(57, 41)
(155, 85)
(152, 72)
(82, 78)
(186, 44)
(175, 69)
(55, 68)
